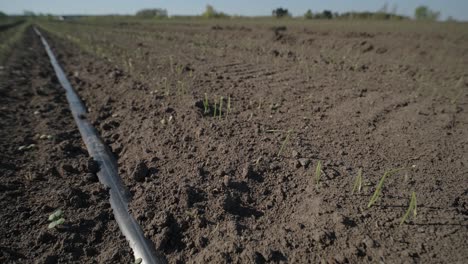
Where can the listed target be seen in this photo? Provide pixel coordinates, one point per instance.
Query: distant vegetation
(424, 13)
(210, 12)
(280, 12)
(152, 13)
(382, 14)
(420, 13)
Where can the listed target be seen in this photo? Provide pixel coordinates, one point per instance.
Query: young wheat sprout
(318, 172)
(206, 105)
(171, 62)
(284, 142)
(378, 190)
(358, 182)
(411, 208)
(229, 105)
(165, 85)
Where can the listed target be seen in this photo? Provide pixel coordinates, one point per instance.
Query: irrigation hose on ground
(108, 174)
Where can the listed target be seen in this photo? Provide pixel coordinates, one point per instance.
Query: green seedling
(358, 182)
(56, 223)
(180, 87)
(179, 69)
(56, 219)
(229, 105)
(171, 62)
(318, 172)
(259, 105)
(166, 88)
(221, 107)
(412, 208)
(378, 190)
(457, 95)
(206, 104)
(56, 215)
(284, 142)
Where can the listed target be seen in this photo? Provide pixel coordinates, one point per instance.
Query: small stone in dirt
(274, 166)
(36, 112)
(140, 172)
(340, 259)
(227, 180)
(199, 132)
(295, 164)
(64, 168)
(92, 166)
(324, 237)
(304, 162)
(369, 242)
(247, 171)
(295, 154)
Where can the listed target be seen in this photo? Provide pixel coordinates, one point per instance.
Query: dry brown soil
(241, 188)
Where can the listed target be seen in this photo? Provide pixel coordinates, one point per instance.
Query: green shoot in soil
(459, 93)
(378, 190)
(284, 142)
(166, 86)
(171, 63)
(229, 105)
(411, 208)
(358, 182)
(206, 105)
(56, 219)
(318, 172)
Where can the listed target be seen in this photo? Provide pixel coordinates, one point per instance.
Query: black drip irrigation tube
(108, 175)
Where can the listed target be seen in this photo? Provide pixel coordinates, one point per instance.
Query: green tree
(2, 15)
(308, 14)
(210, 12)
(424, 13)
(280, 12)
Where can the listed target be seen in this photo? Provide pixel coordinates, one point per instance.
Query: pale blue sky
(455, 8)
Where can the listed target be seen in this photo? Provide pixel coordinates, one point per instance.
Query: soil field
(219, 127)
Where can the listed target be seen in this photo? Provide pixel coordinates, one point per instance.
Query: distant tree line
(382, 14)
(152, 13)
(420, 13)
